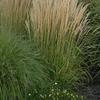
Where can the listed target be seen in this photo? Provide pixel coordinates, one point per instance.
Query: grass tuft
(57, 27)
(19, 71)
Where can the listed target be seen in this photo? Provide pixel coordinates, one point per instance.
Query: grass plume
(14, 13)
(58, 26)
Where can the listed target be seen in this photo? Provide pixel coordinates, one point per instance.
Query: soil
(91, 92)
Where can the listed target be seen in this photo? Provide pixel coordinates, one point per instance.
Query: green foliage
(91, 52)
(54, 92)
(92, 45)
(57, 30)
(96, 6)
(95, 13)
(19, 71)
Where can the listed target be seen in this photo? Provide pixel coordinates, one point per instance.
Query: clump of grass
(19, 71)
(91, 53)
(95, 13)
(92, 45)
(57, 27)
(14, 13)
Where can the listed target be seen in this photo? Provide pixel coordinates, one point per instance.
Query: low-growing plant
(19, 71)
(55, 92)
(95, 13)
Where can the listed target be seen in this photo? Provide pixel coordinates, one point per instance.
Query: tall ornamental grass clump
(20, 70)
(95, 15)
(58, 27)
(14, 13)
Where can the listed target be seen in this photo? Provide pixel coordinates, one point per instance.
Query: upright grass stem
(58, 26)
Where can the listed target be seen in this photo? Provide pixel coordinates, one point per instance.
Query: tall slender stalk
(58, 26)
(14, 14)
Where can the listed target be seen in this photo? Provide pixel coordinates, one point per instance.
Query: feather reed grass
(14, 13)
(58, 27)
(20, 71)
